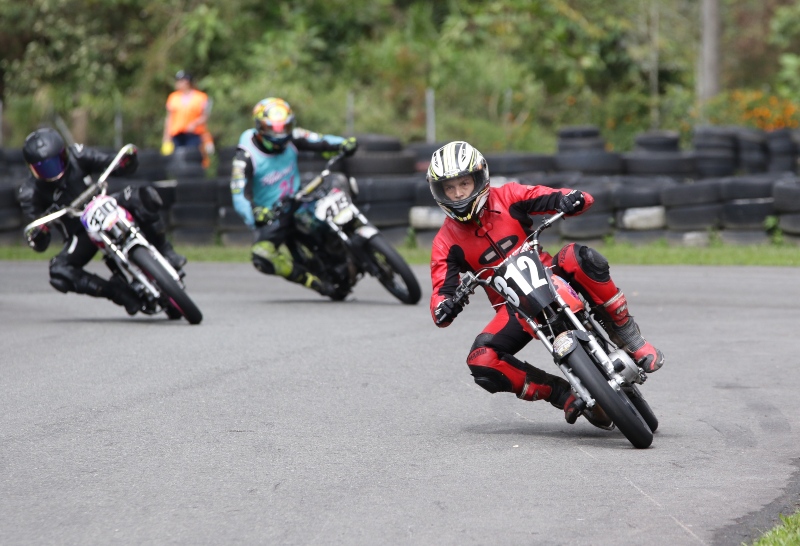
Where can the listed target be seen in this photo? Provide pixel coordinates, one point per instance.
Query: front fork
(125, 237)
(365, 231)
(589, 342)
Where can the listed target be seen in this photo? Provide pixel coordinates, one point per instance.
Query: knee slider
(481, 362)
(263, 264)
(61, 284)
(490, 379)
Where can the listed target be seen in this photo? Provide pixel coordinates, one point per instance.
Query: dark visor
(51, 168)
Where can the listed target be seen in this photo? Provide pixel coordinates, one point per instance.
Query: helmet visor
(51, 168)
(276, 131)
(456, 192)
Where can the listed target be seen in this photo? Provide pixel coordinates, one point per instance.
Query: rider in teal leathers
(264, 173)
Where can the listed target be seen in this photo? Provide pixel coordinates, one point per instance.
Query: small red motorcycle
(599, 371)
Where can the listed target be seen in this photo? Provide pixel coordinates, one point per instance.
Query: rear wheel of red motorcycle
(177, 297)
(394, 273)
(615, 403)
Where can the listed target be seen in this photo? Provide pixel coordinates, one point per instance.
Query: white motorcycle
(126, 251)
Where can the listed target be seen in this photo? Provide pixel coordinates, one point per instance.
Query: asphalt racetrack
(287, 419)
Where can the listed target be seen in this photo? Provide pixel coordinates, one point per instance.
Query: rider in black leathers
(59, 174)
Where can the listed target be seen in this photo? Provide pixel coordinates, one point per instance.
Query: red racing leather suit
(504, 224)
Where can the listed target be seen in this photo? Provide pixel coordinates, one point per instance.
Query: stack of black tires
(725, 182)
(583, 149)
(13, 173)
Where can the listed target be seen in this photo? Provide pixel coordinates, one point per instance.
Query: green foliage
(507, 73)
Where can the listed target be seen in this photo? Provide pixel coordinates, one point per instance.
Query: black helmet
(459, 160)
(46, 154)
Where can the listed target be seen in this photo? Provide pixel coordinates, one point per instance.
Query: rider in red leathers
(483, 225)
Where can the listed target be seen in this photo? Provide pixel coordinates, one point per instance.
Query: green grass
(786, 534)
(659, 253)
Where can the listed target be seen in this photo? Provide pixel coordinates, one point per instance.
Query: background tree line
(506, 73)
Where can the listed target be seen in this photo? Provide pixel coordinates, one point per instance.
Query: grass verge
(658, 253)
(786, 534)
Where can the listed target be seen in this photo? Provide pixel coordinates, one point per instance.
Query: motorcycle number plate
(519, 276)
(100, 214)
(335, 205)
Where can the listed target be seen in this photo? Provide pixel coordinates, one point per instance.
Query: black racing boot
(175, 260)
(323, 287)
(562, 397)
(120, 293)
(626, 330)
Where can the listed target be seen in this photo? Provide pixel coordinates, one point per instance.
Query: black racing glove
(39, 238)
(349, 146)
(571, 203)
(448, 309)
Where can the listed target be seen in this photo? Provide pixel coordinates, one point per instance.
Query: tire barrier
(582, 148)
(516, 162)
(372, 142)
(752, 150)
(680, 165)
(380, 163)
(654, 192)
(11, 218)
(783, 151)
(715, 151)
(657, 141)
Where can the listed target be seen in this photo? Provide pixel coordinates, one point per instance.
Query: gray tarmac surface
(287, 419)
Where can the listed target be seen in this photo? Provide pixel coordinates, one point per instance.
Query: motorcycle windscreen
(521, 279)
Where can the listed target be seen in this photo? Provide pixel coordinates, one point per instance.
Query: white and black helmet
(455, 160)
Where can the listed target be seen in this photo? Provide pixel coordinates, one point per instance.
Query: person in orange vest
(187, 113)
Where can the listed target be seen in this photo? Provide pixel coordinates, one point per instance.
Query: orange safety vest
(185, 107)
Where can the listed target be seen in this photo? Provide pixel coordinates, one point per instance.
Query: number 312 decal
(514, 272)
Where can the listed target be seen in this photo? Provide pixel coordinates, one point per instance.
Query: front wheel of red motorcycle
(615, 402)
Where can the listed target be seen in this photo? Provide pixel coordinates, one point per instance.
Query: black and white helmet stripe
(455, 160)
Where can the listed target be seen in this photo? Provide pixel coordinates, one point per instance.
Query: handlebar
(75, 207)
(314, 184)
(546, 224)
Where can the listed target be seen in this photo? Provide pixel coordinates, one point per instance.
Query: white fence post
(350, 115)
(118, 127)
(430, 116)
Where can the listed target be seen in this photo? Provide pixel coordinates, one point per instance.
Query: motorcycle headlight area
(563, 344)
